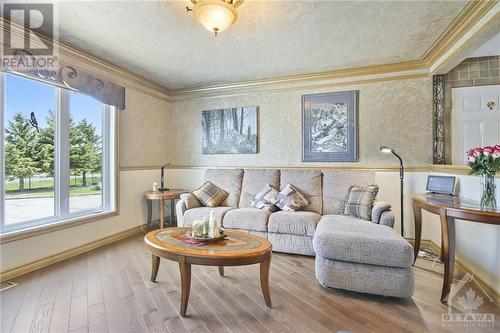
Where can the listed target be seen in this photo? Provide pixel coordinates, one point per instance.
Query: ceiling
(160, 41)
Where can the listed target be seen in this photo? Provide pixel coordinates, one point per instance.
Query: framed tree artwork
(329, 127)
(229, 131)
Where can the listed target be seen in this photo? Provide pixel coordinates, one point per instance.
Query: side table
(161, 197)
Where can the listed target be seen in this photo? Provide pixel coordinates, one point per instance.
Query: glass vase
(488, 191)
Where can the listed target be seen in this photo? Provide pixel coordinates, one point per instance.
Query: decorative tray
(206, 239)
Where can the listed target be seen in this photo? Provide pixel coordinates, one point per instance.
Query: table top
(170, 194)
(238, 245)
(455, 203)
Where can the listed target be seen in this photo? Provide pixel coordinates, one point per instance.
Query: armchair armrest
(378, 209)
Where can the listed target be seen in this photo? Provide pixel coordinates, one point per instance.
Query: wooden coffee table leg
(185, 269)
(221, 270)
(264, 279)
(154, 267)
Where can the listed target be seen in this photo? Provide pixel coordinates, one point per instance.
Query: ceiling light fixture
(215, 15)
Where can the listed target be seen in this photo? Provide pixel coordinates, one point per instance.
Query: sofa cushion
(254, 181)
(247, 219)
(347, 238)
(210, 195)
(265, 199)
(308, 182)
(197, 213)
(287, 243)
(230, 181)
(360, 201)
(336, 185)
(290, 199)
(296, 223)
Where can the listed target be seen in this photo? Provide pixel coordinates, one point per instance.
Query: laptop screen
(440, 184)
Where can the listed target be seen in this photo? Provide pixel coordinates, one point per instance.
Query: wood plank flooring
(108, 290)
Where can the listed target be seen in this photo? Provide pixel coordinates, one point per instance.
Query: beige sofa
(349, 251)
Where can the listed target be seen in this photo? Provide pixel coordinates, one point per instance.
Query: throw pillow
(190, 200)
(360, 201)
(290, 199)
(263, 199)
(210, 195)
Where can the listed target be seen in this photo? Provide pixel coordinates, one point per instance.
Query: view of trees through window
(29, 147)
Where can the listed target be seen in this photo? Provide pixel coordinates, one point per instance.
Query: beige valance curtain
(70, 77)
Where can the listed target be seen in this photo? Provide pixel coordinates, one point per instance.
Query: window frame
(62, 217)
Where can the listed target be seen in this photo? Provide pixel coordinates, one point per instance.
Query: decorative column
(438, 120)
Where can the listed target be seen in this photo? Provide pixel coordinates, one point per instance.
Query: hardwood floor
(108, 290)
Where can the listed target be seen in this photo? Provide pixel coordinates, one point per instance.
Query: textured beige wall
(397, 113)
(143, 133)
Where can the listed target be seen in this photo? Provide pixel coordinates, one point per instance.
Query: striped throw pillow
(263, 199)
(210, 195)
(290, 199)
(360, 201)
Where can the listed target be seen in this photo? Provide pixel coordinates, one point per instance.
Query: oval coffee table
(240, 249)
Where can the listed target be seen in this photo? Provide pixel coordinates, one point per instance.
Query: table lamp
(162, 185)
(388, 150)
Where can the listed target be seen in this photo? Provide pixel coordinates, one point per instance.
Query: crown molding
(465, 21)
(483, 30)
(468, 18)
(304, 79)
(71, 55)
(301, 86)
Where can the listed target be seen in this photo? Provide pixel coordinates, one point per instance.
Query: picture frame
(330, 127)
(230, 130)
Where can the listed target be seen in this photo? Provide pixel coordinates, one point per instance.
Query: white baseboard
(44, 262)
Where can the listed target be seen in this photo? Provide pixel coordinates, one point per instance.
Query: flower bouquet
(485, 162)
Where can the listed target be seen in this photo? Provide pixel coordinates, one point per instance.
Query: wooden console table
(161, 197)
(448, 208)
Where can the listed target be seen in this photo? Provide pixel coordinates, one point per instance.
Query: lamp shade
(215, 15)
(386, 149)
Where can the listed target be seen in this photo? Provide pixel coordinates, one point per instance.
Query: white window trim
(2, 151)
(109, 175)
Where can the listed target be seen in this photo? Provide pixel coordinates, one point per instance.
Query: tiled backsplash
(475, 72)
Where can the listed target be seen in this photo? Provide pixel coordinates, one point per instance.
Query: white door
(475, 119)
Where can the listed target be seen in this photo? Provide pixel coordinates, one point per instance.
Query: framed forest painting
(229, 131)
(329, 127)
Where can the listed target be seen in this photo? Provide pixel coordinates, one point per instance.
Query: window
(58, 154)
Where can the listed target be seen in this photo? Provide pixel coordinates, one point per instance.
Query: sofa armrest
(190, 200)
(387, 218)
(378, 209)
(180, 208)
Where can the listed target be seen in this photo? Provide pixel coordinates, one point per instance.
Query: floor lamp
(388, 150)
